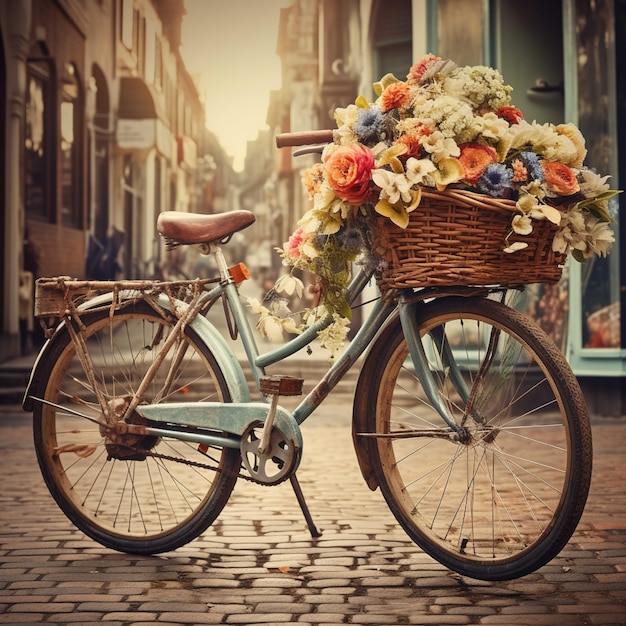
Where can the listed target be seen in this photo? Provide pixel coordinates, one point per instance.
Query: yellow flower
(390, 157)
(448, 171)
(522, 225)
(399, 213)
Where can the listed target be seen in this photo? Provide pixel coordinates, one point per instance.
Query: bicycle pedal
(281, 385)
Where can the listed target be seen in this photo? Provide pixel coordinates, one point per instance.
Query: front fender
(206, 331)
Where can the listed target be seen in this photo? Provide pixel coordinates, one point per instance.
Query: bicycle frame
(214, 419)
(235, 417)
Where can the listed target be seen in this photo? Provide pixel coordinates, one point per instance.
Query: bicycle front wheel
(136, 494)
(501, 497)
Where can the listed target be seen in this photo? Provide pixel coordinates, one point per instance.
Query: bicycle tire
(128, 503)
(504, 503)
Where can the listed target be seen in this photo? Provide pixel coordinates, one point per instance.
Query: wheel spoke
(138, 493)
(504, 495)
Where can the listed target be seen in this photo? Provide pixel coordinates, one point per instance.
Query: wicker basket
(457, 238)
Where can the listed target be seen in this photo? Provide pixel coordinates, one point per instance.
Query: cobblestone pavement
(258, 565)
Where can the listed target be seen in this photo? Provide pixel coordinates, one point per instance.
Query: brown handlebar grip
(286, 140)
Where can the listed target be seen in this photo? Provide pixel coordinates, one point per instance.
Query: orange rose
(560, 178)
(475, 157)
(349, 171)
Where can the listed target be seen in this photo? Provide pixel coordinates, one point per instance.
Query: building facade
(102, 129)
(563, 60)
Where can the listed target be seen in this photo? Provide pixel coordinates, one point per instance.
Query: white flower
(345, 119)
(289, 326)
(592, 184)
(419, 169)
(491, 126)
(440, 147)
(289, 284)
(479, 85)
(585, 233)
(271, 328)
(257, 307)
(393, 186)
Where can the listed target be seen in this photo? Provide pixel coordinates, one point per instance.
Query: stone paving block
(134, 617)
(364, 570)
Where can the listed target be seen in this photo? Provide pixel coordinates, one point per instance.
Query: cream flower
(334, 336)
(345, 119)
(418, 170)
(440, 147)
(522, 225)
(584, 234)
(393, 187)
(490, 126)
(576, 137)
(290, 285)
(592, 184)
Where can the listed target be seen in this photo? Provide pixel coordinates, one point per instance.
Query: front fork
(409, 319)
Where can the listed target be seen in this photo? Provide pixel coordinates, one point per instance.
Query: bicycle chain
(200, 465)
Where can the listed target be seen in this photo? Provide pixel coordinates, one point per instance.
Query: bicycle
(466, 415)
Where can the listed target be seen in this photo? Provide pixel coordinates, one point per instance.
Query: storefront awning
(136, 115)
(135, 101)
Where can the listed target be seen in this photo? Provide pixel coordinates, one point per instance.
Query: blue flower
(368, 124)
(531, 163)
(496, 181)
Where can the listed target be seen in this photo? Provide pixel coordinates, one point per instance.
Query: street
(258, 565)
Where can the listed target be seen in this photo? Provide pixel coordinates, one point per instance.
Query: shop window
(600, 288)
(127, 24)
(392, 37)
(459, 31)
(70, 144)
(38, 156)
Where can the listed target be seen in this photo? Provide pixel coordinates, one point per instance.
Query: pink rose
(292, 247)
(349, 171)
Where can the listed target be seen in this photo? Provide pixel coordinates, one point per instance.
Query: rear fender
(206, 331)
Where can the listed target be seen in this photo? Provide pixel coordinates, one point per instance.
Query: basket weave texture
(456, 238)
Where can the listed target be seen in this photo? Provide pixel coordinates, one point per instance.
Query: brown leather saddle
(178, 228)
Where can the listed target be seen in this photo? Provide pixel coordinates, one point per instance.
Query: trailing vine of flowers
(445, 126)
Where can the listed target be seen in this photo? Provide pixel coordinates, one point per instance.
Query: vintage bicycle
(466, 414)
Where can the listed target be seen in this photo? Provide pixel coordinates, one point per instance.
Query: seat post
(222, 266)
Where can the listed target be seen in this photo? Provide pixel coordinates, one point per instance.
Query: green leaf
(597, 207)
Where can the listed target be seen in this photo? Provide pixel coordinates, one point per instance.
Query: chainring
(271, 467)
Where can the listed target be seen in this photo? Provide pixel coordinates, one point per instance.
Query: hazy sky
(232, 45)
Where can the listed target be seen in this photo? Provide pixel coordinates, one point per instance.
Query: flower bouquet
(447, 134)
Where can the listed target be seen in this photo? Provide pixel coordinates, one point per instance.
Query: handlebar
(307, 138)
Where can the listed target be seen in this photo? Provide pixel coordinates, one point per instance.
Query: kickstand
(315, 533)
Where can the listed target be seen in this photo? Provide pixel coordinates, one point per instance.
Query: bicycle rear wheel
(134, 494)
(504, 498)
